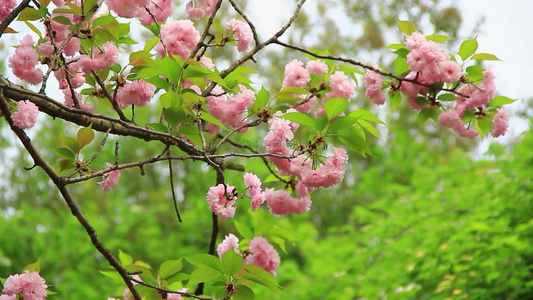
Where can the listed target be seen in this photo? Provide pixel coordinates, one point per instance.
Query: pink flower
(452, 118)
(126, 8)
(221, 199)
(172, 296)
(451, 71)
(180, 38)
(109, 179)
(5, 8)
(263, 255)
(160, 9)
(137, 92)
(329, 174)
(201, 9)
(26, 116)
(317, 67)
(107, 57)
(73, 69)
(24, 61)
(30, 284)
(69, 101)
(230, 110)
(296, 75)
(241, 32)
(254, 190)
(280, 202)
(6, 297)
(500, 123)
(340, 85)
(229, 242)
(373, 86)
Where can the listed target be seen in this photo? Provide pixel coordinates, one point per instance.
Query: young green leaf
(243, 229)
(468, 48)
(406, 27)
(208, 261)
(85, 136)
(170, 267)
(232, 262)
(299, 118)
(335, 106)
(484, 56)
(124, 258)
(500, 100)
(64, 153)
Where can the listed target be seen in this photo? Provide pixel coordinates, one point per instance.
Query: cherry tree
(309, 124)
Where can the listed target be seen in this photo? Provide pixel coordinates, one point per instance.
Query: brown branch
(365, 66)
(184, 294)
(252, 27)
(112, 99)
(205, 34)
(13, 15)
(56, 179)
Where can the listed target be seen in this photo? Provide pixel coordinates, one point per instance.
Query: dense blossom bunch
(179, 37)
(263, 255)
(316, 67)
(30, 285)
(229, 110)
(5, 8)
(254, 190)
(138, 92)
(221, 199)
(280, 202)
(261, 252)
(159, 9)
(103, 57)
(500, 123)
(429, 61)
(200, 8)
(62, 37)
(373, 84)
(26, 115)
(127, 8)
(24, 61)
(241, 33)
(230, 242)
(296, 75)
(109, 179)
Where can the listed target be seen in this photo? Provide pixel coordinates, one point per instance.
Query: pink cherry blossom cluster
(329, 174)
(29, 285)
(109, 179)
(254, 190)
(159, 10)
(471, 97)
(200, 8)
(241, 33)
(229, 110)
(221, 199)
(341, 87)
(373, 85)
(137, 92)
(64, 41)
(179, 37)
(24, 61)
(102, 57)
(429, 61)
(261, 252)
(26, 115)
(6, 7)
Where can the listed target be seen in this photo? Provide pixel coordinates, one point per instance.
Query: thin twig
(184, 294)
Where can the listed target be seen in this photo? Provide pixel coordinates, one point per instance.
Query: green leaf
(202, 274)
(438, 38)
(88, 5)
(211, 119)
(111, 274)
(365, 115)
(335, 106)
(124, 258)
(468, 48)
(105, 19)
(406, 27)
(170, 267)
(341, 123)
(150, 44)
(62, 20)
(171, 69)
(33, 28)
(447, 97)
(243, 293)
(64, 164)
(500, 100)
(292, 90)
(174, 115)
(71, 143)
(354, 137)
(427, 113)
(33, 267)
(207, 260)
(483, 125)
(29, 14)
(243, 229)
(138, 268)
(158, 127)
(484, 56)
(232, 262)
(402, 52)
(321, 122)
(299, 118)
(368, 127)
(262, 99)
(85, 136)
(395, 99)
(400, 66)
(64, 153)
(259, 275)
